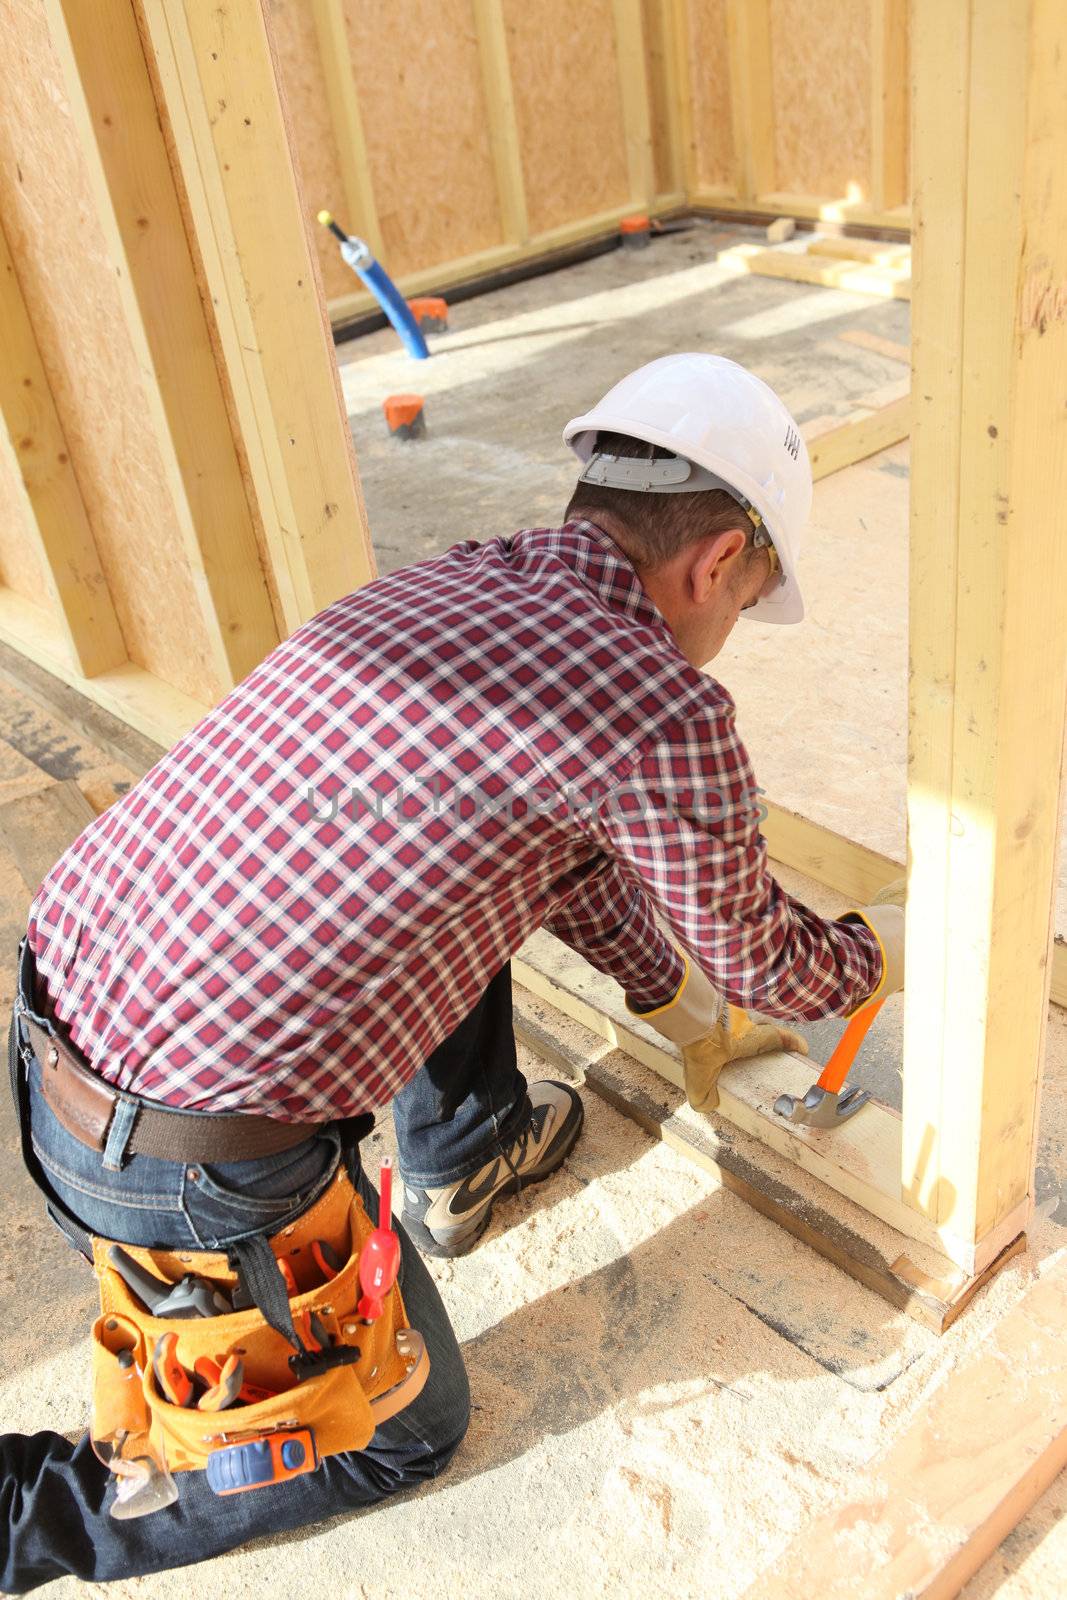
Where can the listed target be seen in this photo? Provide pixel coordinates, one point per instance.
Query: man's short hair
(658, 526)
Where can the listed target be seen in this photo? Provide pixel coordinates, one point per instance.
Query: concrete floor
(666, 1386)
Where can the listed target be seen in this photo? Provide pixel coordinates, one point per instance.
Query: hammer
(824, 1106)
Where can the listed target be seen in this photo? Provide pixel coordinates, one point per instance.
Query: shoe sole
(429, 1246)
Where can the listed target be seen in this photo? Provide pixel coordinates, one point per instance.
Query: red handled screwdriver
(379, 1260)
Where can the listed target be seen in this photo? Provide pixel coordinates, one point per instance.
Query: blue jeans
(54, 1496)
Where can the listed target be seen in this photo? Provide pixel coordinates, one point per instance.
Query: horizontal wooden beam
(855, 440)
(805, 207)
(877, 252)
(935, 1505)
(874, 342)
(925, 1286)
(156, 709)
(860, 1159)
(887, 283)
(499, 256)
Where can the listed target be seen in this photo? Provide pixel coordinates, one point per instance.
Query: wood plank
(880, 252)
(883, 1260)
(336, 57)
(58, 524)
(706, 198)
(860, 1159)
(798, 267)
(828, 857)
(748, 32)
(636, 105)
(36, 828)
(218, 91)
(114, 113)
(929, 1510)
(879, 346)
(154, 708)
(855, 440)
(889, 102)
(989, 672)
(503, 121)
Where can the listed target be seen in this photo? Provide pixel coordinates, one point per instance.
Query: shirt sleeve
(610, 920)
(685, 826)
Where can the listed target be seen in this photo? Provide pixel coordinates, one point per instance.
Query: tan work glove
(712, 1033)
(885, 918)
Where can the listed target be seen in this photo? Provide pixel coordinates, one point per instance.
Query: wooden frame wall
(677, 106)
(175, 451)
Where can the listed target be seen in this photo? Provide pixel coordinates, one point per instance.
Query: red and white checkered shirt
(303, 898)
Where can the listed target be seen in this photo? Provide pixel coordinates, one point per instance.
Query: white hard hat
(712, 412)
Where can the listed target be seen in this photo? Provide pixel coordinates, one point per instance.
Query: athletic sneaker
(450, 1220)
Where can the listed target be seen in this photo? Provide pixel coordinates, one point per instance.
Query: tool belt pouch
(371, 1371)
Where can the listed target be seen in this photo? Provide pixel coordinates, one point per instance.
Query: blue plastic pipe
(370, 272)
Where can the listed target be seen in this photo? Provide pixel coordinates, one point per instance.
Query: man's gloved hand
(885, 918)
(712, 1033)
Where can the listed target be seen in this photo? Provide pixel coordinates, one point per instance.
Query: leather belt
(84, 1103)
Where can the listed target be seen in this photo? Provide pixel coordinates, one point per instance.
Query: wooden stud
(988, 582)
(889, 103)
(679, 92)
(502, 118)
(796, 267)
(748, 31)
(335, 55)
(219, 92)
(933, 1507)
(56, 520)
(634, 92)
(854, 441)
(113, 110)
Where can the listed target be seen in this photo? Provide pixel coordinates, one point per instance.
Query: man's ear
(712, 563)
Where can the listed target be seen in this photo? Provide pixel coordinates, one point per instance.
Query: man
(305, 911)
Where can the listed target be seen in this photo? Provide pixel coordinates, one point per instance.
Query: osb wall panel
(313, 142)
(709, 70)
(68, 282)
(564, 69)
(21, 568)
(419, 80)
(820, 67)
(657, 48)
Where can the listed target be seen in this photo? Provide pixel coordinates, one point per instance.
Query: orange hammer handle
(837, 1068)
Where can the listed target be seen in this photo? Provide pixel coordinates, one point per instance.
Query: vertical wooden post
(680, 97)
(113, 110)
(57, 520)
(218, 90)
(634, 92)
(748, 28)
(988, 667)
(503, 123)
(889, 132)
(336, 58)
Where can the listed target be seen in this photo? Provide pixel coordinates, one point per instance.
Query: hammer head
(821, 1109)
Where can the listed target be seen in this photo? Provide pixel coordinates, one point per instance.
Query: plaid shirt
(302, 899)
